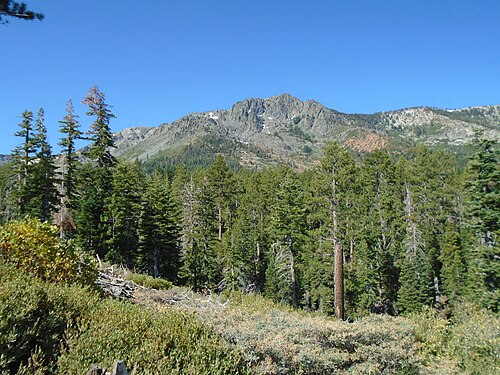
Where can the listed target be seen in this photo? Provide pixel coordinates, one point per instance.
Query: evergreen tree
(220, 180)
(375, 270)
(415, 278)
(338, 168)
(434, 183)
(23, 158)
(9, 8)
(454, 271)
(5, 178)
(180, 179)
(158, 251)
(45, 195)
(287, 234)
(200, 265)
(124, 209)
(100, 132)
(318, 269)
(483, 212)
(184, 192)
(95, 186)
(483, 188)
(70, 128)
(248, 236)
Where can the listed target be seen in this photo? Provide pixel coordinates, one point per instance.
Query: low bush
(34, 318)
(35, 247)
(64, 329)
(475, 339)
(151, 342)
(148, 281)
(468, 343)
(279, 340)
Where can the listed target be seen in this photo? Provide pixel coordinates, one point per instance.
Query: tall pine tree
(287, 233)
(483, 211)
(70, 128)
(339, 170)
(96, 180)
(45, 194)
(123, 209)
(19, 189)
(159, 251)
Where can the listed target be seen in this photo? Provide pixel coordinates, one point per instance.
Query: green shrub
(469, 343)
(38, 320)
(475, 339)
(34, 317)
(279, 340)
(35, 247)
(148, 281)
(149, 341)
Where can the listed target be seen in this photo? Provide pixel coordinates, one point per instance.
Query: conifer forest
(349, 236)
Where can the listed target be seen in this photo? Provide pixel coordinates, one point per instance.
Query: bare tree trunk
(220, 222)
(339, 257)
(155, 263)
(351, 253)
(339, 280)
(294, 281)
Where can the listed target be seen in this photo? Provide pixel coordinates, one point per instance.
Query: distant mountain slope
(284, 128)
(4, 159)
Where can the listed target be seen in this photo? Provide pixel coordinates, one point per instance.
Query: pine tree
(124, 209)
(415, 278)
(434, 184)
(483, 212)
(454, 271)
(200, 267)
(220, 180)
(70, 128)
(338, 168)
(5, 178)
(248, 236)
(9, 8)
(23, 159)
(45, 195)
(95, 181)
(158, 251)
(375, 269)
(100, 132)
(287, 234)
(318, 257)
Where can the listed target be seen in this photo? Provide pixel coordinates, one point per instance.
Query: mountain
(4, 159)
(286, 129)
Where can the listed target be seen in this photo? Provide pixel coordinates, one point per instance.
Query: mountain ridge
(286, 128)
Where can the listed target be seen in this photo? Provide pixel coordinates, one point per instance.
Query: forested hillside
(350, 236)
(405, 248)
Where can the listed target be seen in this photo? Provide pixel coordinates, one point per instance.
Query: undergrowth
(279, 340)
(49, 328)
(65, 329)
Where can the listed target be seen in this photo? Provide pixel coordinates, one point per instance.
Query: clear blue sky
(157, 60)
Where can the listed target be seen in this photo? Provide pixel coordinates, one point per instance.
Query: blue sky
(157, 60)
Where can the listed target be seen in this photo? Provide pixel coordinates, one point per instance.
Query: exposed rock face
(129, 137)
(5, 159)
(286, 127)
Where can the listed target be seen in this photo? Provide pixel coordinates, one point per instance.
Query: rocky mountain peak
(284, 128)
(283, 107)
